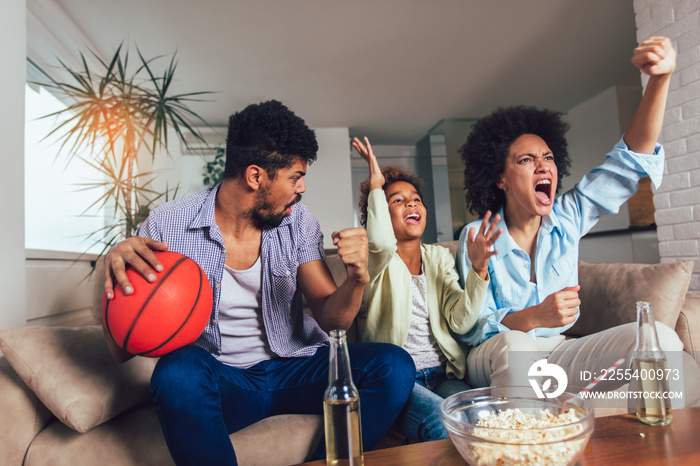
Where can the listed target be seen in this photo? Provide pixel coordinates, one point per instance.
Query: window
(58, 215)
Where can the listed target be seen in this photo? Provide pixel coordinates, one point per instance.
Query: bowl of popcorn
(509, 425)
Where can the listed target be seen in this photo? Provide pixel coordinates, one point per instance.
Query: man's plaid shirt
(188, 226)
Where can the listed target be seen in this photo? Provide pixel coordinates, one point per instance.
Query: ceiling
(389, 69)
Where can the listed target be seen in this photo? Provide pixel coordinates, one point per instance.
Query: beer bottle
(341, 408)
(649, 371)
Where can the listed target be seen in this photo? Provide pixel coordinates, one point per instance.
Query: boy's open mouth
(413, 218)
(543, 191)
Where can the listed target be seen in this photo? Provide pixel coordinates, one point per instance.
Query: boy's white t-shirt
(421, 343)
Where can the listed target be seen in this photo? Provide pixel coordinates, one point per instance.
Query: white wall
(441, 188)
(595, 129)
(677, 202)
(49, 288)
(596, 125)
(329, 183)
(13, 281)
(456, 133)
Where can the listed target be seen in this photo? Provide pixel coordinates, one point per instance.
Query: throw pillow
(609, 293)
(72, 372)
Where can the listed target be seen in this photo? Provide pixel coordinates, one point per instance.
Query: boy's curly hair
(485, 152)
(269, 135)
(392, 174)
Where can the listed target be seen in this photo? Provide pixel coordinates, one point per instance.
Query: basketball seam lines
(153, 291)
(196, 301)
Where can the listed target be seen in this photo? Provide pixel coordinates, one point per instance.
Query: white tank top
(243, 338)
(421, 343)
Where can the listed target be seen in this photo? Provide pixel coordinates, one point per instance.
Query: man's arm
(136, 251)
(656, 58)
(335, 307)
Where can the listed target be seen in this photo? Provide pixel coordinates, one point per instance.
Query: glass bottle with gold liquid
(649, 371)
(341, 408)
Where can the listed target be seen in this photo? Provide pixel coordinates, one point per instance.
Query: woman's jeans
(420, 419)
(200, 400)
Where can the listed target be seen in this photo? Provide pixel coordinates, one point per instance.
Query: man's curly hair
(392, 174)
(485, 152)
(269, 135)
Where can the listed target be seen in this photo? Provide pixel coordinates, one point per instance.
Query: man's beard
(264, 216)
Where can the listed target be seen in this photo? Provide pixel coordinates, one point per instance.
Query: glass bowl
(521, 429)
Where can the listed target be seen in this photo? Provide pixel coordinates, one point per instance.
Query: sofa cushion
(135, 438)
(451, 245)
(609, 293)
(688, 325)
(72, 372)
(22, 415)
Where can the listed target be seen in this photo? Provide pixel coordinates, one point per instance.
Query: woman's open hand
(479, 244)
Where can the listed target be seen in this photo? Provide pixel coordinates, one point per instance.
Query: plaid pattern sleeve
(298, 240)
(310, 243)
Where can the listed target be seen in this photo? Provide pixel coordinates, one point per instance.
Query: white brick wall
(677, 202)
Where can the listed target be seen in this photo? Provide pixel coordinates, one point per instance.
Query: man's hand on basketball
(353, 251)
(138, 253)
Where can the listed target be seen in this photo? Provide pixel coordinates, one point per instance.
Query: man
(260, 355)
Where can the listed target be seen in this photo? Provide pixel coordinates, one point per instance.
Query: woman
(515, 159)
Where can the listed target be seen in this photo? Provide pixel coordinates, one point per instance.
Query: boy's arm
(376, 177)
(380, 232)
(461, 306)
(655, 57)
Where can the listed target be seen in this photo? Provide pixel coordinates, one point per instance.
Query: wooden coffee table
(617, 440)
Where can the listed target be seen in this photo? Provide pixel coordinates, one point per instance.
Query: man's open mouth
(543, 191)
(296, 200)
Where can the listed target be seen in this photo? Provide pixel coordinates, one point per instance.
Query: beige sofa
(65, 401)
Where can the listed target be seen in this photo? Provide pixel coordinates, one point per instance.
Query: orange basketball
(162, 316)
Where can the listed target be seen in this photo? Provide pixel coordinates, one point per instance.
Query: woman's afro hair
(484, 154)
(392, 174)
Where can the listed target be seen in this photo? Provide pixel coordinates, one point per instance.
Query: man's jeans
(420, 419)
(200, 400)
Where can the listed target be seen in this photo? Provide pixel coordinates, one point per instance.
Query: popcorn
(523, 443)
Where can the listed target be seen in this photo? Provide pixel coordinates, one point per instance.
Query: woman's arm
(655, 57)
(556, 310)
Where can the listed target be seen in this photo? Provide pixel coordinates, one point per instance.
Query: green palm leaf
(116, 111)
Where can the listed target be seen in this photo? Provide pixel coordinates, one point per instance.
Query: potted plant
(114, 115)
(214, 169)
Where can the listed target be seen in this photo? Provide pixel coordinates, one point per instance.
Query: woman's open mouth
(543, 191)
